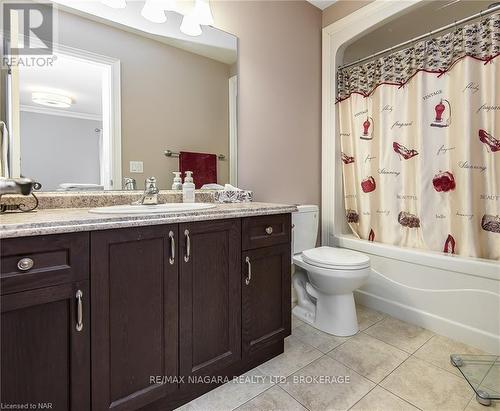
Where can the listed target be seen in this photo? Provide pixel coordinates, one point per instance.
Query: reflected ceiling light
(154, 11)
(190, 25)
(116, 4)
(51, 99)
(202, 13)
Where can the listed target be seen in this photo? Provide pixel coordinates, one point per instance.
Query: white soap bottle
(177, 184)
(188, 188)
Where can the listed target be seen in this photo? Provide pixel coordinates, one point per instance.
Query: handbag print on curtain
(420, 140)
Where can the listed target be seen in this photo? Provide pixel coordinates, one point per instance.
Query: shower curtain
(419, 131)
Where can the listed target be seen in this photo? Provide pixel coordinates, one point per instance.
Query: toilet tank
(305, 228)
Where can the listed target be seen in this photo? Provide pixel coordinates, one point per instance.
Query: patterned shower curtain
(420, 140)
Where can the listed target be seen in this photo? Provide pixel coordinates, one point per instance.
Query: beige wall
(342, 8)
(171, 99)
(279, 96)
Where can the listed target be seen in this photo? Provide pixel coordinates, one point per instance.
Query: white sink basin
(152, 209)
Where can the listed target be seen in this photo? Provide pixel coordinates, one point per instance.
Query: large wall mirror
(123, 97)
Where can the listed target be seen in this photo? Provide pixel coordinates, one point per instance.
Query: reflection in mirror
(120, 92)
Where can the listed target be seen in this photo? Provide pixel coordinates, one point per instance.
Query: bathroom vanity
(124, 313)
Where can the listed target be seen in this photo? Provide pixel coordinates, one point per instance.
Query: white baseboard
(449, 328)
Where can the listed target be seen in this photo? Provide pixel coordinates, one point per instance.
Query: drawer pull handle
(25, 264)
(79, 309)
(188, 246)
(269, 230)
(171, 259)
(249, 274)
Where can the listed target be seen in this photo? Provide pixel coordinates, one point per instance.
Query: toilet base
(334, 314)
(304, 314)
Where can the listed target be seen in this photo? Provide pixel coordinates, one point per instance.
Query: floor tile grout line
(388, 375)
(428, 339)
(352, 369)
(295, 399)
(399, 348)
(375, 323)
(316, 348)
(324, 355)
(401, 398)
(467, 405)
(388, 389)
(353, 405)
(255, 396)
(392, 345)
(438, 366)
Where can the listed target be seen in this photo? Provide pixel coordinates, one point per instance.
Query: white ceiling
(212, 43)
(75, 78)
(322, 4)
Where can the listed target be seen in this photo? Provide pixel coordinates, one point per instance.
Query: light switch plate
(136, 167)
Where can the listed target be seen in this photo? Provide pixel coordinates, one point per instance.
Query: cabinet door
(266, 296)
(210, 296)
(45, 353)
(134, 316)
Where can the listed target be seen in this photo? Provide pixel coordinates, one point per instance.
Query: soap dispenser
(188, 188)
(177, 184)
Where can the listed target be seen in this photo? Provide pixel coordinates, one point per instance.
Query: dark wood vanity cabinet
(45, 322)
(266, 297)
(266, 288)
(134, 282)
(208, 298)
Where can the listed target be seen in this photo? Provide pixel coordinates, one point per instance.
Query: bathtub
(453, 296)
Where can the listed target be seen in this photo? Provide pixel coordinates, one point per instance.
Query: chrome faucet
(150, 195)
(23, 186)
(129, 183)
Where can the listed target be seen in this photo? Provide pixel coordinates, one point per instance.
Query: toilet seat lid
(336, 258)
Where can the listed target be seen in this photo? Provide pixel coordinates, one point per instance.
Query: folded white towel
(80, 187)
(229, 187)
(212, 187)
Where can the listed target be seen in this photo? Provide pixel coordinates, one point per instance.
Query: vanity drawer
(265, 231)
(34, 262)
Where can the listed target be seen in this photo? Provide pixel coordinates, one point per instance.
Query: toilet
(325, 277)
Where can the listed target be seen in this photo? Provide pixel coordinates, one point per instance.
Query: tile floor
(391, 365)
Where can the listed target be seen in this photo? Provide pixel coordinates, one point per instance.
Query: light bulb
(153, 11)
(202, 13)
(167, 5)
(116, 4)
(190, 26)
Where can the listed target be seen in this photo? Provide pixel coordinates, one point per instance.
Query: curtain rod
(423, 36)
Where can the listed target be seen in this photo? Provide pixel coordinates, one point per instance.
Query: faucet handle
(129, 183)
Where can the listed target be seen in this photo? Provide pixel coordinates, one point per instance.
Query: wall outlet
(136, 167)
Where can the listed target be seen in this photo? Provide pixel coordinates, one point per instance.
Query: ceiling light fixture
(116, 4)
(190, 25)
(154, 11)
(202, 13)
(51, 99)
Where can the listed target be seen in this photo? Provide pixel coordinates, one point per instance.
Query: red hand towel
(203, 166)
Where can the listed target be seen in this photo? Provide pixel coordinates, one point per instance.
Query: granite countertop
(66, 220)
